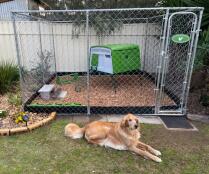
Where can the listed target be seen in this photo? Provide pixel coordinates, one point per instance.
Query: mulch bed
(9, 120)
(131, 90)
(194, 105)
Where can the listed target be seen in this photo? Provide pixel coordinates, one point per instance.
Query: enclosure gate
(136, 60)
(177, 59)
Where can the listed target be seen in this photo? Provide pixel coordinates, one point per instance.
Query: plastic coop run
(115, 58)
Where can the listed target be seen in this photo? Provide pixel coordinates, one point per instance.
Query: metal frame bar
(88, 64)
(164, 63)
(192, 61)
(120, 9)
(145, 46)
(53, 46)
(157, 98)
(18, 56)
(40, 42)
(188, 61)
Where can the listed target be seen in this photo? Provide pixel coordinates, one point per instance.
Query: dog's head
(130, 121)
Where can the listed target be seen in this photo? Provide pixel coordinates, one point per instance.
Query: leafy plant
(190, 3)
(14, 99)
(8, 76)
(103, 24)
(204, 100)
(203, 50)
(41, 71)
(171, 3)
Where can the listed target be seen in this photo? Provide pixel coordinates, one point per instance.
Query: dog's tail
(74, 131)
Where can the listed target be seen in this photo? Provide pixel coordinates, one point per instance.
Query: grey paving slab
(65, 116)
(196, 117)
(98, 118)
(114, 118)
(150, 119)
(81, 119)
(111, 118)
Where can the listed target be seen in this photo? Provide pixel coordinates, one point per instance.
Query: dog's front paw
(157, 153)
(158, 160)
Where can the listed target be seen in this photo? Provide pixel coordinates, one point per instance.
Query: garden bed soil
(194, 105)
(8, 122)
(131, 90)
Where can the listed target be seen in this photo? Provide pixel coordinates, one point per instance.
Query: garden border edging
(12, 131)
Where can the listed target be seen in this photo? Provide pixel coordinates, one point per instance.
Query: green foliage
(103, 23)
(172, 3)
(203, 50)
(200, 3)
(204, 100)
(8, 76)
(14, 99)
(97, 4)
(3, 113)
(191, 3)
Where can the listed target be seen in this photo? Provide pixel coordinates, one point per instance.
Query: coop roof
(116, 47)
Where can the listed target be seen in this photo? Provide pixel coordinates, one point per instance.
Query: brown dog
(123, 135)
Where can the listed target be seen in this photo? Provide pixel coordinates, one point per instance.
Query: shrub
(8, 76)
(14, 99)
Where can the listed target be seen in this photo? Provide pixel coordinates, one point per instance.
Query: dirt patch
(12, 110)
(194, 105)
(130, 90)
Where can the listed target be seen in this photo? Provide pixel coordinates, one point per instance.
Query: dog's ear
(124, 123)
(137, 120)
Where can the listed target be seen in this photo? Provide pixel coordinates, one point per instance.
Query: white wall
(7, 7)
(71, 52)
(7, 42)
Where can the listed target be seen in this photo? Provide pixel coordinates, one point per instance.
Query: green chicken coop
(115, 58)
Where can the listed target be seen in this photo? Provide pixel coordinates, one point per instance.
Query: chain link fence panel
(105, 61)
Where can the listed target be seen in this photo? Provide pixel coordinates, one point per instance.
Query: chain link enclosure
(107, 60)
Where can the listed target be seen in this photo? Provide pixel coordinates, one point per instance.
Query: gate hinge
(197, 31)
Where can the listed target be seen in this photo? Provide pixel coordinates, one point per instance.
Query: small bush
(204, 100)
(8, 76)
(14, 99)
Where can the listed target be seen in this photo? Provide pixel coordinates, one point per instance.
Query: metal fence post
(18, 57)
(158, 97)
(53, 47)
(145, 46)
(40, 41)
(192, 60)
(88, 63)
(188, 62)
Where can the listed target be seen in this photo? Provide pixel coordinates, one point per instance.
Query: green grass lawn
(46, 150)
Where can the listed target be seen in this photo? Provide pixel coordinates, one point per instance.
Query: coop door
(177, 62)
(105, 63)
